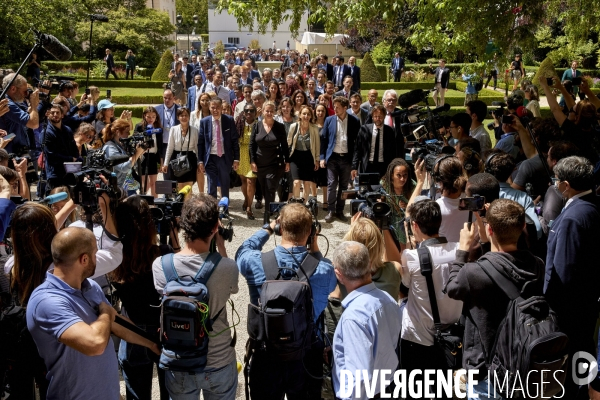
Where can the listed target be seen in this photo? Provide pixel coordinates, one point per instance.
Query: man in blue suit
(194, 92)
(340, 71)
(397, 67)
(218, 148)
(338, 138)
(167, 112)
(572, 264)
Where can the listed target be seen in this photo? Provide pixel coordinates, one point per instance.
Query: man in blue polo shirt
(17, 120)
(71, 322)
(269, 376)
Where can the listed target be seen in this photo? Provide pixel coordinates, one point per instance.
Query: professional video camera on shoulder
(367, 197)
(311, 205)
(496, 112)
(86, 183)
(428, 151)
(428, 121)
(141, 139)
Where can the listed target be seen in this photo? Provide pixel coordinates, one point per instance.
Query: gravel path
(243, 229)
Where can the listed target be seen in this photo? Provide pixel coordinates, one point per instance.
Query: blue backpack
(184, 317)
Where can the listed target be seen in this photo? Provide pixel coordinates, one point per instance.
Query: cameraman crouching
(112, 147)
(271, 378)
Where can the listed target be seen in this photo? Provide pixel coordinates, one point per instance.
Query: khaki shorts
(516, 74)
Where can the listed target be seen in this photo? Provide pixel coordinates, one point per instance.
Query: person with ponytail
(112, 147)
(134, 283)
(451, 180)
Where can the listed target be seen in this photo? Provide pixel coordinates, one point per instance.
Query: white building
(223, 26)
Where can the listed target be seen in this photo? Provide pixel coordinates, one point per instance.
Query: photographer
(485, 303)
(59, 148)
(112, 147)
(149, 168)
(218, 379)
(17, 120)
(73, 119)
(418, 350)
(505, 133)
(106, 115)
(270, 377)
(133, 280)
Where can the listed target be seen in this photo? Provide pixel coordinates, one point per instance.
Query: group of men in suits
(350, 146)
(338, 72)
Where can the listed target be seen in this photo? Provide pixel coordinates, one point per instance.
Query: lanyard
(168, 116)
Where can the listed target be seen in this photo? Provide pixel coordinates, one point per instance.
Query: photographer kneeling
(112, 147)
(269, 376)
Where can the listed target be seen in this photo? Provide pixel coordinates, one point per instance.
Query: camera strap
(426, 264)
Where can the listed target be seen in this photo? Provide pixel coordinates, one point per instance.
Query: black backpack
(284, 319)
(528, 339)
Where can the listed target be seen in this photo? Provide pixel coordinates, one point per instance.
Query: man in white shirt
(417, 347)
(217, 86)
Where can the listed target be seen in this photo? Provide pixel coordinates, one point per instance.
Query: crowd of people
(288, 132)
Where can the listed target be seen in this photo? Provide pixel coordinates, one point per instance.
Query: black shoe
(258, 205)
(329, 217)
(341, 217)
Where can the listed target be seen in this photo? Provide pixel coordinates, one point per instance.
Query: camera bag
(185, 317)
(528, 340)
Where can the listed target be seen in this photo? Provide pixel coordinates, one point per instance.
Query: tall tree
(187, 9)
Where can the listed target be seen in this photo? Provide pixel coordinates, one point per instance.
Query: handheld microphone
(182, 193)
(522, 112)
(98, 17)
(53, 46)
(150, 130)
(224, 207)
(117, 159)
(54, 198)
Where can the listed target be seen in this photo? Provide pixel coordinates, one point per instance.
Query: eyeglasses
(556, 182)
(249, 111)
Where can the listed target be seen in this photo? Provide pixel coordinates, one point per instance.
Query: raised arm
(556, 109)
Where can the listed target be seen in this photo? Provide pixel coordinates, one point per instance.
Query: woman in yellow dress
(244, 123)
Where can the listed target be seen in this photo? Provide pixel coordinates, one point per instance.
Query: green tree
(383, 53)
(145, 28)
(187, 9)
(161, 73)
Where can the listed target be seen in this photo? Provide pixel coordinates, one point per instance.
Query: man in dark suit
(188, 70)
(338, 138)
(193, 93)
(110, 65)
(218, 148)
(360, 113)
(397, 67)
(354, 73)
(346, 90)
(572, 264)
(371, 100)
(375, 145)
(441, 76)
(571, 73)
(390, 100)
(167, 112)
(327, 67)
(340, 72)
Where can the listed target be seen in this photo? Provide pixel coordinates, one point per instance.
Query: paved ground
(243, 229)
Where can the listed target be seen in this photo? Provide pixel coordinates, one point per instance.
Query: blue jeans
(481, 389)
(137, 363)
(219, 384)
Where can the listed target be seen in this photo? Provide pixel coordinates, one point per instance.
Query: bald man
(71, 322)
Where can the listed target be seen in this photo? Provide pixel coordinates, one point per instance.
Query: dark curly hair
(199, 216)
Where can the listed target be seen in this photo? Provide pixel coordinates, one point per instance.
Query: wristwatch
(268, 228)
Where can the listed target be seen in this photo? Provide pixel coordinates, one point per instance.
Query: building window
(233, 40)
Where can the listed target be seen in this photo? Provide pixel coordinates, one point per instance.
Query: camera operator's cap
(420, 198)
(104, 104)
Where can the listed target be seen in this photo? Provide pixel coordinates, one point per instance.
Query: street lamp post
(179, 21)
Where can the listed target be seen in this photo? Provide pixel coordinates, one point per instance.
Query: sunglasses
(249, 111)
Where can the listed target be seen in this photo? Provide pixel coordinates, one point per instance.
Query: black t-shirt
(140, 299)
(517, 65)
(588, 142)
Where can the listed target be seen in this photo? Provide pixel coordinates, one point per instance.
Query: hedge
(113, 83)
(401, 85)
(137, 99)
(136, 111)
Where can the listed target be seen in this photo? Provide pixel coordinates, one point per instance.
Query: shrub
(383, 53)
(161, 73)
(368, 71)
(254, 44)
(219, 49)
(147, 57)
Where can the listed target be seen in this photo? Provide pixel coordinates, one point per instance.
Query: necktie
(376, 152)
(219, 144)
(388, 120)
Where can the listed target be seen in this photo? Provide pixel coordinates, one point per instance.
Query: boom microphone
(98, 17)
(440, 109)
(53, 46)
(182, 193)
(411, 98)
(54, 198)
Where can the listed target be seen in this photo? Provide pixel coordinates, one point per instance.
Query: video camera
(497, 112)
(366, 199)
(87, 185)
(429, 152)
(431, 124)
(226, 231)
(311, 205)
(144, 140)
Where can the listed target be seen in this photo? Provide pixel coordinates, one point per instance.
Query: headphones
(435, 170)
(315, 227)
(488, 167)
(472, 159)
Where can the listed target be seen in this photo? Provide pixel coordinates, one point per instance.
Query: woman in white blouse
(183, 140)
